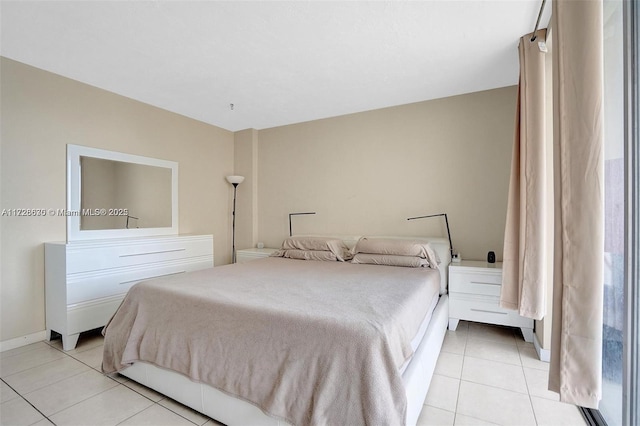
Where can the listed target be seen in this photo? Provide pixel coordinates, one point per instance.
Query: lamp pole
(233, 226)
(235, 181)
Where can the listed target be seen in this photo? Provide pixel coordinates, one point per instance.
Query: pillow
(333, 245)
(390, 260)
(397, 247)
(306, 255)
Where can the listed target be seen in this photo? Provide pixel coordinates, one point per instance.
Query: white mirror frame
(74, 233)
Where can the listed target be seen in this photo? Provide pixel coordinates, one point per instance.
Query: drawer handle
(480, 282)
(150, 278)
(151, 252)
(490, 312)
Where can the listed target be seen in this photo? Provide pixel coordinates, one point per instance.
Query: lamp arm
(446, 220)
(130, 217)
(296, 214)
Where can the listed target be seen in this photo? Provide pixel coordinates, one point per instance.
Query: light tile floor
(488, 375)
(485, 375)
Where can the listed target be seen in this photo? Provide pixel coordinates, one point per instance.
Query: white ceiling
(277, 62)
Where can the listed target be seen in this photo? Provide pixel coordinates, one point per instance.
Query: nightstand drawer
(475, 283)
(485, 309)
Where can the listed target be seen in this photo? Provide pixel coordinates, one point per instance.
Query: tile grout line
(166, 408)
(52, 383)
(70, 356)
(91, 369)
(464, 355)
(118, 384)
(154, 403)
(28, 402)
(535, 418)
(496, 387)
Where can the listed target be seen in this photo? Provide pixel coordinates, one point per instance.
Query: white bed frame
(232, 410)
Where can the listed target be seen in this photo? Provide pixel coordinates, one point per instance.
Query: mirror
(116, 195)
(132, 195)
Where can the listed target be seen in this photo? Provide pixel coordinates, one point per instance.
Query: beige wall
(41, 113)
(366, 173)
(362, 173)
(246, 164)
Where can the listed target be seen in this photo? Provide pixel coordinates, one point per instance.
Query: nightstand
(246, 255)
(474, 295)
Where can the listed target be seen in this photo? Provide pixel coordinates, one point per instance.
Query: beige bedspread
(314, 343)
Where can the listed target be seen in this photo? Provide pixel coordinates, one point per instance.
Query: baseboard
(22, 341)
(543, 354)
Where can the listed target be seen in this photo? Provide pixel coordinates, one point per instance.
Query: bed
(353, 343)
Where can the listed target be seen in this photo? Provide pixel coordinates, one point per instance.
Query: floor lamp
(235, 181)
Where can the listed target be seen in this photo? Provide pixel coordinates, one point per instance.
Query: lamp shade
(235, 180)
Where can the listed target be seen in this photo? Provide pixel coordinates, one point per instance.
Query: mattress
(419, 336)
(272, 328)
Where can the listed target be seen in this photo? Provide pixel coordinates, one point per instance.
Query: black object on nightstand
(491, 257)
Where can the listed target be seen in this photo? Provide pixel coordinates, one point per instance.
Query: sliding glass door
(619, 403)
(614, 190)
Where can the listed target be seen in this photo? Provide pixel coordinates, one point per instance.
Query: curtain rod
(533, 36)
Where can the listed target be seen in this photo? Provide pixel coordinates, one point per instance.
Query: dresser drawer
(475, 283)
(88, 286)
(85, 258)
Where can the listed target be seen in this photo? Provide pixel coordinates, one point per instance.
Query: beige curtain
(524, 267)
(576, 346)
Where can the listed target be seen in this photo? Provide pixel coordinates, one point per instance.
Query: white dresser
(85, 281)
(474, 295)
(246, 255)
